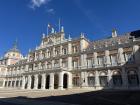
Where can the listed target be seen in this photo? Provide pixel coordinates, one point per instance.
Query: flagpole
(59, 24)
(47, 30)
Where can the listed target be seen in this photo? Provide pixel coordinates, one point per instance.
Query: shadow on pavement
(104, 97)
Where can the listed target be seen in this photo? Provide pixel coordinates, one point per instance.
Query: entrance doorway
(39, 81)
(55, 81)
(47, 81)
(65, 81)
(32, 81)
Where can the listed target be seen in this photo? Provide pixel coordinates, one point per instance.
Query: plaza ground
(69, 97)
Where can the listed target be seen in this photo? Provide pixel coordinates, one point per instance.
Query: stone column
(36, 82)
(107, 58)
(97, 80)
(51, 85)
(110, 81)
(136, 53)
(43, 82)
(84, 79)
(69, 48)
(83, 61)
(95, 59)
(23, 83)
(40, 55)
(3, 85)
(121, 59)
(69, 80)
(35, 57)
(60, 86)
(82, 42)
(69, 63)
(53, 51)
(124, 78)
(29, 82)
(60, 62)
(60, 49)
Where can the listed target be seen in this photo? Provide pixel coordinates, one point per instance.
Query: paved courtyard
(69, 97)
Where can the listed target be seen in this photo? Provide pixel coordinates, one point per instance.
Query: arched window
(91, 79)
(117, 78)
(132, 78)
(103, 79)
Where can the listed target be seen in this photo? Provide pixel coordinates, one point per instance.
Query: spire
(114, 33)
(69, 38)
(62, 29)
(15, 44)
(82, 35)
(43, 35)
(14, 48)
(52, 30)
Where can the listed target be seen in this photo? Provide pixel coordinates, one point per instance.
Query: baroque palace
(64, 63)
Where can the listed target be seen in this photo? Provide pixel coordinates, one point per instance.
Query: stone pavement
(26, 97)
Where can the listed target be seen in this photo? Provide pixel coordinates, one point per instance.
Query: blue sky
(26, 20)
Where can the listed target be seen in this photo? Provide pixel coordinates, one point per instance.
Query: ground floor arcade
(96, 79)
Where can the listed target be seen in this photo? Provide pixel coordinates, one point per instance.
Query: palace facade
(60, 63)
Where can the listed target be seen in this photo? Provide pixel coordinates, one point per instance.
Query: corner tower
(13, 55)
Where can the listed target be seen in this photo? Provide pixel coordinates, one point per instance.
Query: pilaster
(51, 85)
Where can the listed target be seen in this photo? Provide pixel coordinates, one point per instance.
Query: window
(114, 60)
(89, 63)
(129, 58)
(100, 61)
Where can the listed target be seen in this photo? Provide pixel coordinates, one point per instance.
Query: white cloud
(37, 3)
(51, 11)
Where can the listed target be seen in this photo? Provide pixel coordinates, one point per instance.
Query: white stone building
(60, 63)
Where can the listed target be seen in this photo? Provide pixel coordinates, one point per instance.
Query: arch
(132, 78)
(56, 79)
(39, 81)
(103, 78)
(47, 81)
(17, 82)
(20, 83)
(91, 79)
(13, 82)
(117, 78)
(76, 80)
(32, 81)
(65, 80)
(6, 83)
(9, 82)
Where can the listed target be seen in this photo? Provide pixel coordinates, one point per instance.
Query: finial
(82, 35)
(62, 29)
(36, 48)
(69, 37)
(29, 50)
(43, 35)
(15, 44)
(52, 30)
(114, 33)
